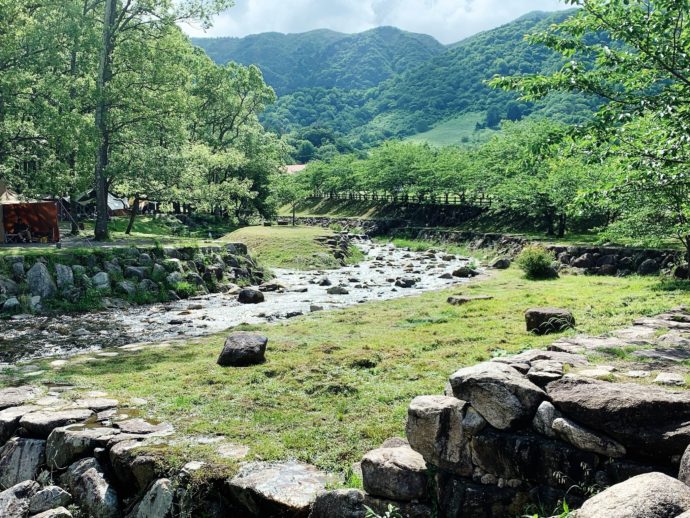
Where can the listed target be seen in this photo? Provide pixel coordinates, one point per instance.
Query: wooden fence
(469, 199)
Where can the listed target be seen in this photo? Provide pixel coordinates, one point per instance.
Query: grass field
(459, 131)
(336, 384)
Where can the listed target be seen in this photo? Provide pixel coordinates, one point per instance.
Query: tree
(126, 24)
(290, 190)
(643, 74)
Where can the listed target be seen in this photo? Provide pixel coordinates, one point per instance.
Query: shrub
(184, 290)
(536, 261)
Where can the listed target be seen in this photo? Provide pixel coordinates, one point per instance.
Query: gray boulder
(14, 501)
(132, 469)
(40, 281)
(127, 288)
(48, 498)
(64, 276)
(465, 272)
(8, 287)
(395, 473)
(91, 490)
(684, 470)
(277, 489)
(20, 460)
(653, 495)
(157, 502)
(101, 281)
(68, 444)
(338, 290)
(586, 440)
(544, 418)
(651, 422)
(648, 267)
(135, 272)
(250, 296)
(18, 271)
(9, 420)
(12, 305)
(16, 396)
(243, 349)
(542, 321)
(148, 286)
(503, 396)
(435, 430)
(502, 263)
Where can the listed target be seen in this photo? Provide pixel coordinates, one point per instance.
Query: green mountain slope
(326, 59)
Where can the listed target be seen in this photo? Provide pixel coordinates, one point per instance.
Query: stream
(28, 337)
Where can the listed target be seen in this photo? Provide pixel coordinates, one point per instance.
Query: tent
(116, 206)
(41, 217)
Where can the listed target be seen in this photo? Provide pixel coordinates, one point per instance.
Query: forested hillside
(324, 58)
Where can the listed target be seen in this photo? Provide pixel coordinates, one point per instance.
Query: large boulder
(503, 396)
(395, 473)
(435, 430)
(40, 281)
(15, 396)
(157, 502)
(90, 489)
(652, 423)
(542, 321)
(101, 281)
(243, 349)
(134, 470)
(58, 512)
(15, 501)
(648, 267)
(68, 444)
(684, 470)
(342, 503)
(20, 460)
(653, 495)
(277, 489)
(9, 420)
(250, 296)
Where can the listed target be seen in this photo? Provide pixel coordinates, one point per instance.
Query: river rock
(653, 495)
(41, 423)
(58, 512)
(16, 396)
(395, 473)
(14, 502)
(338, 290)
(64, 276)
(20, 460)
(542, 321)
(406, 282)
(40, 282)
(243, 349)
(90, 489)
(101, 281)
(48, 498)
(135, 272)
(277, 489)
(435, 430)
(503, 396)
(250, 296)
(68, 444)
(157, 502)
(465, 272)
(12, 305)
(650, 422)
(502, 263)
(127, 288)
(586, 440)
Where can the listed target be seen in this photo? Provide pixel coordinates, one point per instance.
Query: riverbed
(385, 273)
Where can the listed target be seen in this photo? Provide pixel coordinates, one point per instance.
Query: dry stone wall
(40, 283)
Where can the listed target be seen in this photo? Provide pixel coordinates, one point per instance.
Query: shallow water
(29, 337)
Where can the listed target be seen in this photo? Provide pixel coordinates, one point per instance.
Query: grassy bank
(338, 383)
(289, 247)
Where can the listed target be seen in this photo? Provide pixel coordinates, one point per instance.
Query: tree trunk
(294, 215)
(562, 220)
(101, 120)
(133, 215)
(73, 214)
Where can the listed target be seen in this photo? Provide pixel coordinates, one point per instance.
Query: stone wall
(38, 283)
(370, 227)
(518, 435)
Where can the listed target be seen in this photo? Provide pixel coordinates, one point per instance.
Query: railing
(467, 199)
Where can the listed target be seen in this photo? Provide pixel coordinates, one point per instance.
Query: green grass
(287, 246)
(459, 131)
(337, 384)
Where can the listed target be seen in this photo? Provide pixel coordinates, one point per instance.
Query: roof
(295, 168)
(9, 197)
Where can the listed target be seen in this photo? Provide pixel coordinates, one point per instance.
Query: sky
(447, 20)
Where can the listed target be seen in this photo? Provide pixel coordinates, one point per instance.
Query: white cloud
(447, 20)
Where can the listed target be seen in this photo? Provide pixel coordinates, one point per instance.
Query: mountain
(324, 58)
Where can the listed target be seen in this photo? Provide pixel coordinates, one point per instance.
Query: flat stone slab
(16, 396)
(142, 427)
(40, 424)
(278, 489)
(667, 355)
(97, 404)
(670, 379)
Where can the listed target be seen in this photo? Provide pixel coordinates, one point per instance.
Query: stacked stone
(124, 274)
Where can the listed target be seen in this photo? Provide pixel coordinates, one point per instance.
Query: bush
(536, 261)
